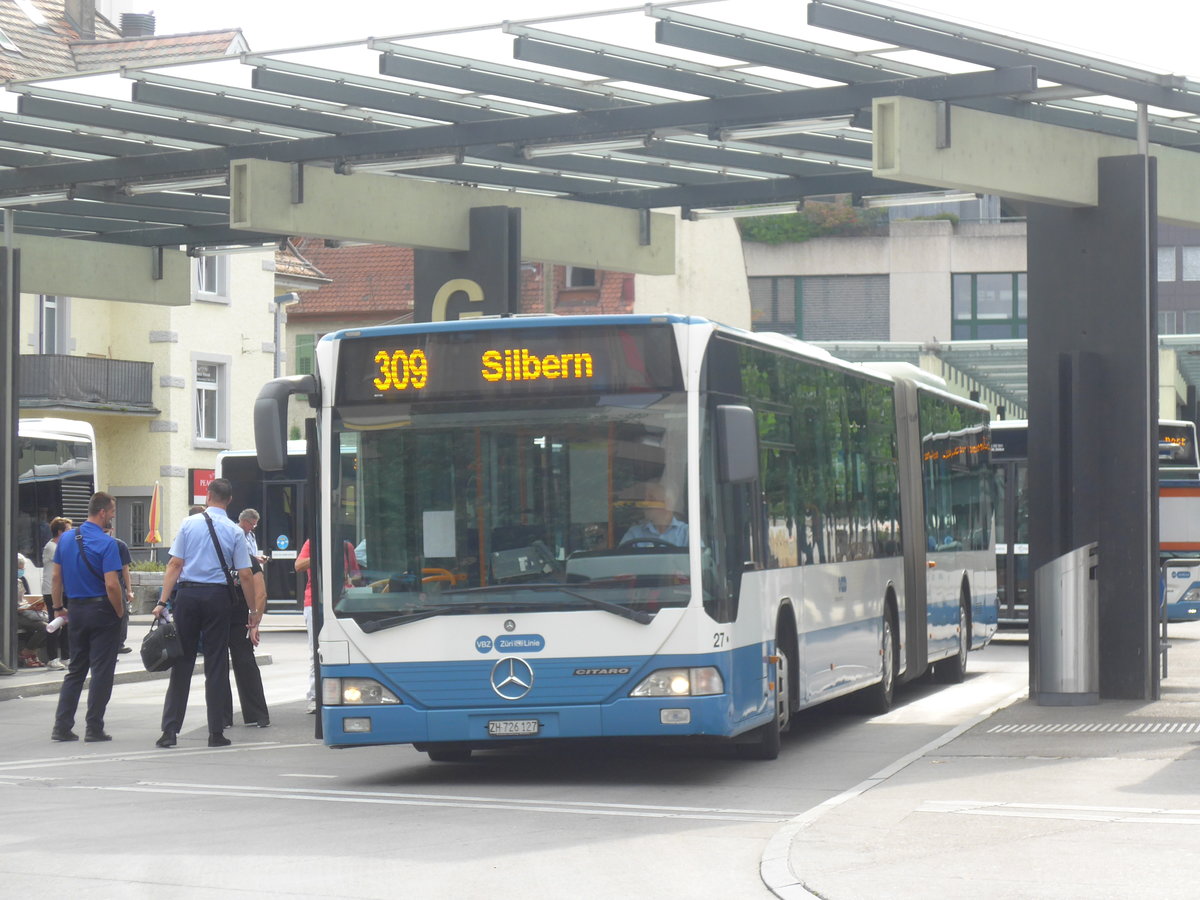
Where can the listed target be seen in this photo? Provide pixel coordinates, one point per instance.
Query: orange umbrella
(152, 535)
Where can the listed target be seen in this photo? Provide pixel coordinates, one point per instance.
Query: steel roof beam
(750, 193)
(396, 102)
(123, 213)
(526, 89)
(948, 44)
(188, 236)
(562, 126)
(612, 65)
(102, 116)
(708, 155)
(215, 103)
(208, 203)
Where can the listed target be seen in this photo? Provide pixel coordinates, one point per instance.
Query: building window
(1191, 322)
(212, 278)
(1166, 263)
(1191, 263)
(1166, 322)
(211, 422)
(305, 363)
(823, 307)
(52, 323)
(580, 278)
(989, 306)
(137, 511)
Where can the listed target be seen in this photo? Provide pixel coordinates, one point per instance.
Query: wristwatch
(59, 608)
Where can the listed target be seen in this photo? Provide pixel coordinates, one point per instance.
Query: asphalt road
(279, 815)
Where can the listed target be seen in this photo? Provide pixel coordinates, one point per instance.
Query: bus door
(282, 530)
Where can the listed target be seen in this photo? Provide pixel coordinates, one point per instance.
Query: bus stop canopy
(658, 107)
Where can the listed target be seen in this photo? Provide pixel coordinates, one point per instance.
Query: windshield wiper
(373, 625)
(640, 616)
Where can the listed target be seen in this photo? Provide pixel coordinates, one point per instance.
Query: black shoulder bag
(235, 593)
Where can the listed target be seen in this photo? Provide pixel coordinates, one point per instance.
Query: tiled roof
(57, 46)
(372, 281)
(291, 263)
(41, 50)
(93, 55)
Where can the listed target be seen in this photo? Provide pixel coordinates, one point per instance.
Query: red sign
(201, 479)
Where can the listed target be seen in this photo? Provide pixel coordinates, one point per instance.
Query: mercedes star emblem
(512, 678)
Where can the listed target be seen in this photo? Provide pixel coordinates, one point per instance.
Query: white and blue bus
(545, 527)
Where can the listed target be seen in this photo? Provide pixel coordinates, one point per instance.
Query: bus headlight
(701, 681)
(355, 692)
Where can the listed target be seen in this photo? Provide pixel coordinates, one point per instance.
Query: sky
(1155, 34)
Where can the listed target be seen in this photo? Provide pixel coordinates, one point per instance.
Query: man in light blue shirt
(202, 607)
(661, 523)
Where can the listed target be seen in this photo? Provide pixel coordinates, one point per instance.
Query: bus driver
(661, 525)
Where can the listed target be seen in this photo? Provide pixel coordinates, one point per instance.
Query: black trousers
(95, 637)
(245, 670)
(200, 611)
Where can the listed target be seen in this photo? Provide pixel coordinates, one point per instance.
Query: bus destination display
(507, 363)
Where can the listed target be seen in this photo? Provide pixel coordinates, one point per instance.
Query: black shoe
(92, 736)
(261, 723)
(63, 734)
(216, 739)
(125, 650)
(167, 740)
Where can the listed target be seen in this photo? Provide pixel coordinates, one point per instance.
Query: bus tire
(448, 753)
(953, 669)
(765, 741)
(877, 699)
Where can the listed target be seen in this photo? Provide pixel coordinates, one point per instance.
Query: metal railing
(119, 383)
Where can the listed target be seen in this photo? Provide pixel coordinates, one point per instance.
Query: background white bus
(56, 476)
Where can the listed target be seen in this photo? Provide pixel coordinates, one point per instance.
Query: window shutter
(305, 344)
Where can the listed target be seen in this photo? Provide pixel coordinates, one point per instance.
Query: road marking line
(305, 775)
(137, 755)
(444, 800)
(1067, 812)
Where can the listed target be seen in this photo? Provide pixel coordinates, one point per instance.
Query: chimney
(137, 25)
(81, 14)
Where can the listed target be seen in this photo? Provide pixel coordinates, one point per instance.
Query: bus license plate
(512, 726)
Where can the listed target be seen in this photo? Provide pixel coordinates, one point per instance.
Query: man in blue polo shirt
(202, 607)
(86, 565)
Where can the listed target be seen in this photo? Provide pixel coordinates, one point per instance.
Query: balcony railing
(85, 382)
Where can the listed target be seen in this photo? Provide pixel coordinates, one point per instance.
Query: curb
(41, 688)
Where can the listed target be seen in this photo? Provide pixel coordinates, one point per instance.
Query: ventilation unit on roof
(137, 24)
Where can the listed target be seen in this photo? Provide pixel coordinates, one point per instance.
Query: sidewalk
(1031, 802)
(35, 682)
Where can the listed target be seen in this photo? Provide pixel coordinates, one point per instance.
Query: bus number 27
(720, 639)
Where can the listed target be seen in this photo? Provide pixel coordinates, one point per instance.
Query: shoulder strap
(212, 533)
(83, 555)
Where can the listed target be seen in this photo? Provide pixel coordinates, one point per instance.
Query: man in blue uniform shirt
(202, 607)
(86, 566)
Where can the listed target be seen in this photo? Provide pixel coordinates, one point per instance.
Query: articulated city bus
(534, 528)
(1178, 513)
(56, 476)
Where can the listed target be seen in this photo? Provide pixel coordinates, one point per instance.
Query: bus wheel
(448, 752)
(878, 697)
(764, 742)
(954, 669)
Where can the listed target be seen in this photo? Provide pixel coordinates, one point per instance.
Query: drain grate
(1100, 728)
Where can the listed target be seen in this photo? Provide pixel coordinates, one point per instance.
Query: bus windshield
(455, 509)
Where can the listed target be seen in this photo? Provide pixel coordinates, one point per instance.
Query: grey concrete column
(1093, 375)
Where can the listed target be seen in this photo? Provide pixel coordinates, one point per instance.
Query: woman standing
(57, 649)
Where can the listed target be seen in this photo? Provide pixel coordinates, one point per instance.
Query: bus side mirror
(737, 443)
(270, 418)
